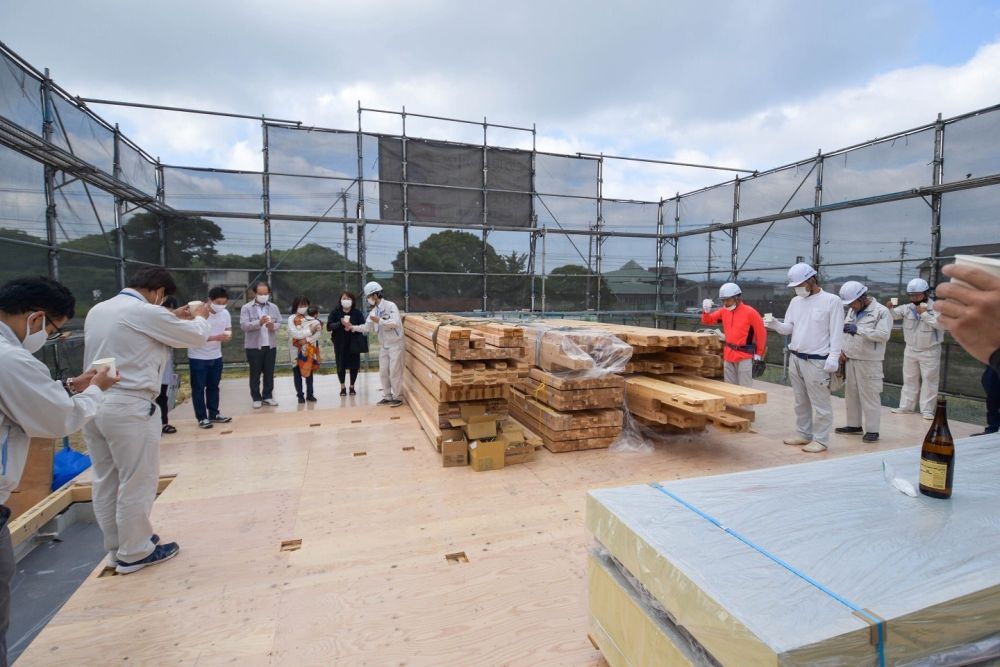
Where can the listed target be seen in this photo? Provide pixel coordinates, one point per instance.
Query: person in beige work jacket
(123, 440)
(867, 328)
(922, 355)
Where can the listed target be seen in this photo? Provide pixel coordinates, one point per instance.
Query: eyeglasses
(57, 334)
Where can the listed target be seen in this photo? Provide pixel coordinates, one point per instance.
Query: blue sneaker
(161, 553)
(113, 555)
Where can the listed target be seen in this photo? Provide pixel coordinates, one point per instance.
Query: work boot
(797, 441)
(848, 429)
(870, 437)
(814, 448)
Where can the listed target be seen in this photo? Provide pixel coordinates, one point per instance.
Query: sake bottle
(937, 456)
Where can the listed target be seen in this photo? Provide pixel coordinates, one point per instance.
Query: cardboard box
(454, 448)
(487, 454)
(518, 453)
(511, 431)
(476, 423)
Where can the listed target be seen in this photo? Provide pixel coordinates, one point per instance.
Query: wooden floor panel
(370, 583)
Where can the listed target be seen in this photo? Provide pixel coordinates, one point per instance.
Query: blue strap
(134, 296)
(874, 620)
(3, 456)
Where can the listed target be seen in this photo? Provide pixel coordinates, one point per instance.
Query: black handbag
(358, 343)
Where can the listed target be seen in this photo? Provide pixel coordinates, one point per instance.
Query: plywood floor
(370, 584)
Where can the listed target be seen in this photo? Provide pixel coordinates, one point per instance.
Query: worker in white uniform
(867, 328)
(815, 321)
(922, 354)
(123, 440)
(32, 404)
(385, 320)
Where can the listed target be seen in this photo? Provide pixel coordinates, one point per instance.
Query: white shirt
(816, 324)
(138, 335)
(218, 323)
(33, 405)
(389, 327)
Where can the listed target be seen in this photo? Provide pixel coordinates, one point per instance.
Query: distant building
(990, 249)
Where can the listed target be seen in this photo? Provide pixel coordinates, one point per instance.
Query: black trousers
(161, 400)
(297, 377)
(261, 363)
(347, 361)
(991, 385)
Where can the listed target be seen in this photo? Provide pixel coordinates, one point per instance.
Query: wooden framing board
(657, 412)
(569, 381)
(733, 393)
(574, 399)
(674, 395)
(564, 421)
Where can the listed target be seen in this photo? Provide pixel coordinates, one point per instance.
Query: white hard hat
(729, 290)
(372, 288)
(851, 291)
(916, 286)
(800, 273)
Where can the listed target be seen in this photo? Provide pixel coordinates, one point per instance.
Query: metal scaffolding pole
(659, 265)
(486, 300)
(734, 230)
(817, 217)
(361, 205)
(343, 201)
(936, 199)
(677, 244)
(532, 221)
(161, 222)
(406, 226)
(51, 219)
(599, 239)
(543, 268)
(116, 170)
(266, 206)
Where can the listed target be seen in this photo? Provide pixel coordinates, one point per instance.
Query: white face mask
(346, 304)
(33, 342)
(371, 301)
(732, 307)
(262, 298)
(218, 307)
(302, 311)
(801, 291)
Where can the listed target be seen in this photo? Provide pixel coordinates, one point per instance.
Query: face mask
(371, 301)
(302, 311)
(33, 342)
(732, 307)
(217, 308)
(262, 298)
(801, 291)
(346, 304)
(159, 301)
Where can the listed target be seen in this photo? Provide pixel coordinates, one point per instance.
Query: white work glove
(832, 365)
(706, 305)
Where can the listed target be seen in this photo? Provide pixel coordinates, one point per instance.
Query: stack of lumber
(570, 411)
(449, 365)
(670, 379)
(668, 587)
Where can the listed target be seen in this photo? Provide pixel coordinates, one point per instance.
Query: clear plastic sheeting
(136, 169)
(77, 132)
(213, 190)
(786, 189)
(796, 565)
(890, 166)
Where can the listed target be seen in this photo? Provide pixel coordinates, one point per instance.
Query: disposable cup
(107, 362)
(894, 300)
(194, 305)
(988, 264)
(345, 319)
(768, 317)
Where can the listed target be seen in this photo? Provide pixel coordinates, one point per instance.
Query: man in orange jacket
(746, 338)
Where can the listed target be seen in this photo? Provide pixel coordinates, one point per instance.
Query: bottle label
(933, 475)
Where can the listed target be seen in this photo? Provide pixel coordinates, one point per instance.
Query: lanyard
(134, 296)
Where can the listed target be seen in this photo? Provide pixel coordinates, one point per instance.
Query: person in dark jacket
(347, 346)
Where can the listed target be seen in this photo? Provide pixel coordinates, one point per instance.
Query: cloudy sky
(744, 84)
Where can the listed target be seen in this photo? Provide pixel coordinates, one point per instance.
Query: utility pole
(902, 256)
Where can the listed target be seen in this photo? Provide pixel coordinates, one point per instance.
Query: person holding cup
(260, 320)
(32, 311)
(922, 354)
(205, 362)
(347, 345)
(123, 439)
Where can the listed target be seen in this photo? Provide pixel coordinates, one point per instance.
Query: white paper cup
(345, 319)
(194, 305)
(987, 264)
(107, 362)
(894, 300)
(768, 317)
